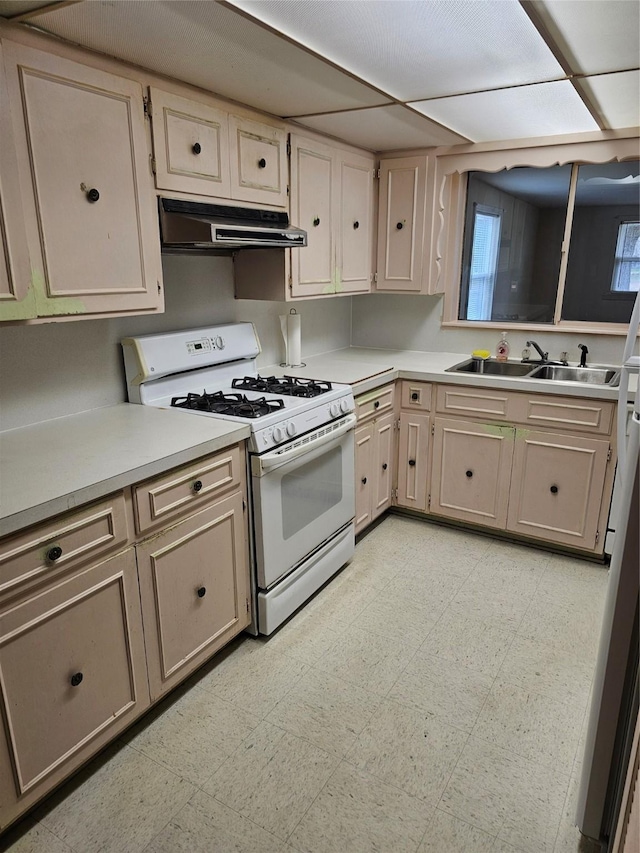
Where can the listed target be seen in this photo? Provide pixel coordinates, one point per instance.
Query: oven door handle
(301, 446)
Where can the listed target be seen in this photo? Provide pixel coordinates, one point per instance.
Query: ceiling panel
(617, 96)
(545, 109)
(11, 8)
(213, 47)
(595, 36)
(417, 50)
(383, 129)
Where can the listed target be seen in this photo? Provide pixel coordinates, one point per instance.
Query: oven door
(303, 494)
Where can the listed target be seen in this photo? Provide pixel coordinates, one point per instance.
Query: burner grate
(288, 386)
(219, 403)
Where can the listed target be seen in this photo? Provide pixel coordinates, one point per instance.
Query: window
(484, 262)
(626, 266)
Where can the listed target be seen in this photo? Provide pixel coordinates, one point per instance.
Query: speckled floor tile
(205, 825)
(308, 635)
(257, 681)
(120, 803)
(569, 580)
(425, 582)
(565, 625)
(326, 711)
(448, 834)
(528, 724)
(367, 660)
(375, 566)
(343, 601)
(505, 795)
(272, 778)
(29, 836)
(458, 541)
(193, 737)
(522, 558)
(469, 641)
(569, 838)
(409, 749)
(400, 618)
(443, 688)
(357, 813)
(547, 670)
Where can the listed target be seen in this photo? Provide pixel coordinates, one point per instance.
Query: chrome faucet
(583, 356)
(544, 356)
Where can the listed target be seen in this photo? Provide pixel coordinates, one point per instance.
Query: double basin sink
(595, 375)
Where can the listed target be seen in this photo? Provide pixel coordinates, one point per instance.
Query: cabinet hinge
(153, 164)
(288, 190)
(597, 535)
(394, 494)
(433, 429)
(290, 282)
(609, 454)
(244, 506)
(375, 277)
(147, 107)
(376, 174)
(288, 148)
(428, 501)
(247, 602)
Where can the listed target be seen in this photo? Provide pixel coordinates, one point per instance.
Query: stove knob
(334, 410)
(291, 430)
(278, 434)
(344, 406)
(220, 342)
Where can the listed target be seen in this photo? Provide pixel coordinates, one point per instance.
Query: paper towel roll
(290, 324)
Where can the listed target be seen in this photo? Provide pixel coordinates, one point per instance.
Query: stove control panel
(202, 345)
(297, 424)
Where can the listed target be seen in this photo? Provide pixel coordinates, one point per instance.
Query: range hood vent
(187, 226)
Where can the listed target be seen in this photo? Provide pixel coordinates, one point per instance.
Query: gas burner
(219, 403)
(289, 386)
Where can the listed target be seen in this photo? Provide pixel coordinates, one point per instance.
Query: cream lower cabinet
(194, 590)
(375, 454)
(73, 675)
(414, 443)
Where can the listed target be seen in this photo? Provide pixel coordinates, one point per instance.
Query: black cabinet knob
(76, 679)
(356, 225)
(376, 405)
(54, 553)
(196, 148)
(469, 473)
(316, 221)
(262, 163)
(93, 195)
(197, 486)
(384, 466)
(364, 481)
(399, 226)
(202, 591)
(412, 462)
(554, 490)
(415, 395)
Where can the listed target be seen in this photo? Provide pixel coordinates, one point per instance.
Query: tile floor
(431, 699)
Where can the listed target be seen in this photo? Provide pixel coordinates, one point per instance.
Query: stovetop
(219, 403)
(289, 386)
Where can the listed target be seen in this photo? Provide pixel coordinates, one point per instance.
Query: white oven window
(309, 491)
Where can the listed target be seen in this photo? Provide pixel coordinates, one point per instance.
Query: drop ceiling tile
(211, 46)
(595, 36)
(616, 96)
(12, 8)
(545, 109)
(383, 129)
(416, 50)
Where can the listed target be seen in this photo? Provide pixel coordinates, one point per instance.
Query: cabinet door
(258, 162)
(72, 669)
(383, 447)
(471, 471)
(312, 189)
(194, 586)
(190, 145)
(17, 300)
(401, 218)
(413, 460)
(364, 475)
(91, 215)
(557, 486)
(355, 223)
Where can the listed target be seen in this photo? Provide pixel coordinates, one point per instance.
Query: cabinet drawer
(460, 400)
(415, 395)
(73, 674)
(167, 498)
(571, 413)
(194, 590)
(65, 541)
(375, 403)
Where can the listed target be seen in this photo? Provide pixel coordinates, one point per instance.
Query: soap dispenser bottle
(502, 350)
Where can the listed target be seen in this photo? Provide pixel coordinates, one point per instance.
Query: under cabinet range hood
(187, 226)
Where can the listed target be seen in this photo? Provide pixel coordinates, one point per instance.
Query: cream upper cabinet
(355, 237)
(190, 144)
(258, 155)
(88, 199)
(16, 294)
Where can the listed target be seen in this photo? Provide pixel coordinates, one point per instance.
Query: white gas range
(301, 452)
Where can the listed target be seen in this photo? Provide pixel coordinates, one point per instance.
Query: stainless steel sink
(589, 375)
(491, 367)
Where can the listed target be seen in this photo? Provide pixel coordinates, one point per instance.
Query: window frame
(619, 260)
(451, 185)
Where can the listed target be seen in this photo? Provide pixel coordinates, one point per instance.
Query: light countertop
(54, 466)
(366, 369)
